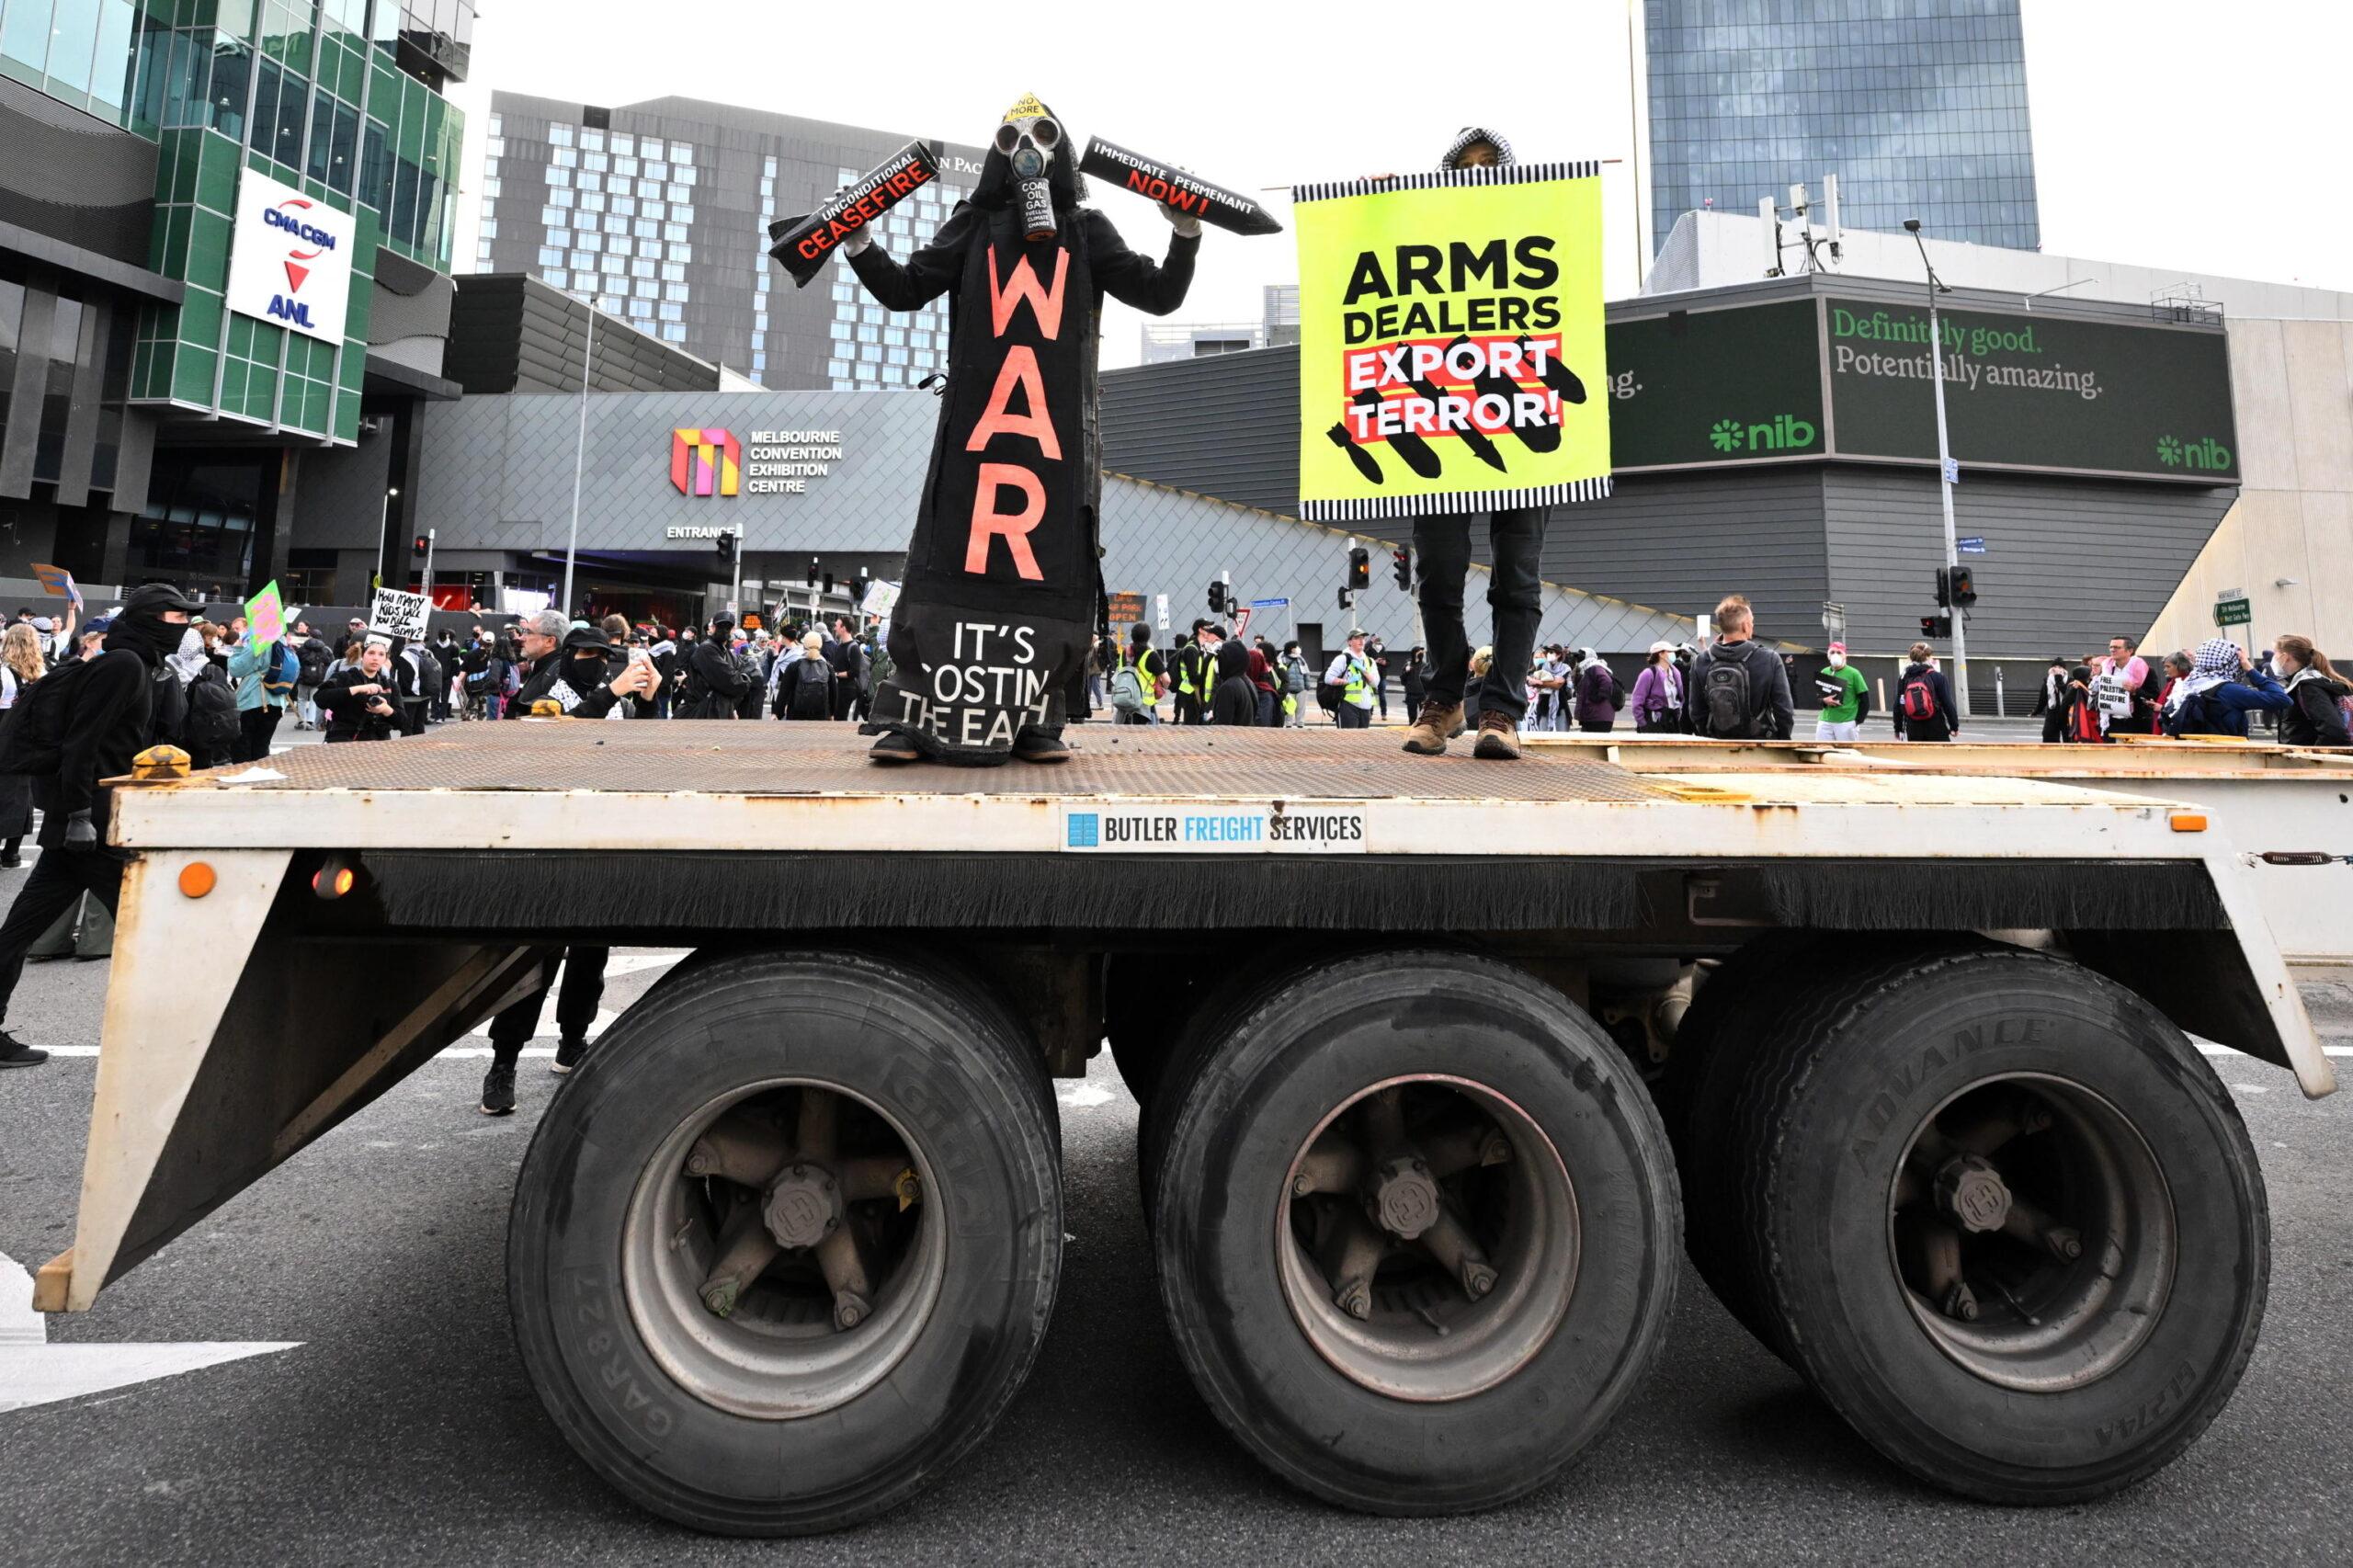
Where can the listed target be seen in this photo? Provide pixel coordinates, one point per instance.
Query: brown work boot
(1499, 738)
(1437, 724)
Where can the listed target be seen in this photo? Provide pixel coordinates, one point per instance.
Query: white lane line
(33, 1372)
(2208, 1047)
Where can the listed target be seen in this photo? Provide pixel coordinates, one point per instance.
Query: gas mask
(1029, 138)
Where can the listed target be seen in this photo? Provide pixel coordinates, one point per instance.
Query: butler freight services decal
(1451, 342)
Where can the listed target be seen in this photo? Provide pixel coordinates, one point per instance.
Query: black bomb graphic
(1002, 583)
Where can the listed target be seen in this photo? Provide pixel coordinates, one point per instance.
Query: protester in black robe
(1003, 585)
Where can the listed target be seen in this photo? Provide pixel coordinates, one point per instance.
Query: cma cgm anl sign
(289, 260)
(705, 461)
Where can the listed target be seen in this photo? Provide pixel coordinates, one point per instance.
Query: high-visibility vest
(1359, 673)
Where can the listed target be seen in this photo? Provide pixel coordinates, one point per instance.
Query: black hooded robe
(1003, 574)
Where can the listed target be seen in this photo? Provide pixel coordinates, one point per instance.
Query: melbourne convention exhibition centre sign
(1840, 376)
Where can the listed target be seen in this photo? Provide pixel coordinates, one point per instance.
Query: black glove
(79, 834)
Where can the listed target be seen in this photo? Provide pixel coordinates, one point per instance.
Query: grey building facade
(659, 212)
(1919, 106)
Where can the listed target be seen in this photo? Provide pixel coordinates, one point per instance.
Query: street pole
(430, 534)
(735, 596)
(1944, 474)
(579, 458)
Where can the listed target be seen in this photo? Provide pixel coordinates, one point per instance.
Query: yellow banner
(1451, 354)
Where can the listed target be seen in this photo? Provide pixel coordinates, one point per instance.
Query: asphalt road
(399, 1429)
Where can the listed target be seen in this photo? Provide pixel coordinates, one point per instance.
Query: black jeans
(255, 726)
(59, 878)
(1514, 599)
(1348, 716)
(575, 1009)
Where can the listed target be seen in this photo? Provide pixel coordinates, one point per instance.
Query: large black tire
(2131, 1348)
(1302, 1050)
(923, 1048)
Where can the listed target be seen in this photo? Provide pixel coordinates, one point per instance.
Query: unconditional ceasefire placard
(1451, 355)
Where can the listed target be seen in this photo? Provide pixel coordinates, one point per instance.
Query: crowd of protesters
(2289, 690)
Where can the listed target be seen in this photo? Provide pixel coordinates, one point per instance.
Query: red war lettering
(1014, 528)
(1019, 371)
(1046, 304)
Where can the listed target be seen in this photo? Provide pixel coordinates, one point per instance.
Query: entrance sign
(1451, 350)
(290, 259)
(397, 614)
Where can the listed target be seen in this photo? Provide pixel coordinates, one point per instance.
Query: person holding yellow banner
(1450, 325)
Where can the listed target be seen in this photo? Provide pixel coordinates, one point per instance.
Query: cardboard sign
(1189, 194)
(880, 596)
(266, 614)
(804, 244)
(57, 581)
(397, 614)
(1451, 356)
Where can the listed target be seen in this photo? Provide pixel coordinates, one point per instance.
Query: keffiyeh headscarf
(2216, 663)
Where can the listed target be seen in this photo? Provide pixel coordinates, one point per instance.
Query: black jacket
(348, 715)
(577, 675)
(1772, 714)
(718, 682)
(2313, 719)
(1947, 721)
(103, 727)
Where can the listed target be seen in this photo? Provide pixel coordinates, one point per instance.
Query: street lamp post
(579, 457)
(1943, 469)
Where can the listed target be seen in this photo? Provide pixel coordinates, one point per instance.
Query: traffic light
(726, 542)
(421, 544)
(1217, 596)
(829, 582)
(813, 571)
(1964, 586)
(859, 586)
(1344, 600)
(1936, 626)
(1360, 568)
(1402, 560)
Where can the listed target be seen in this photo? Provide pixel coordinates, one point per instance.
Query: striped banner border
(1383, 508)
(1499, 174)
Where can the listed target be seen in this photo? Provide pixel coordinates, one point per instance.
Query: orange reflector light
(2187, 822)
(196, 879)
(333, 880)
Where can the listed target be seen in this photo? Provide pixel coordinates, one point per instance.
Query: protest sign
(57, 580)
(397, 614)
(1187, 193)
(266, 614)
(1451, 355)
(803, 246)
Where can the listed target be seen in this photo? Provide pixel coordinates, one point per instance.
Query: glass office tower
(1917, 105)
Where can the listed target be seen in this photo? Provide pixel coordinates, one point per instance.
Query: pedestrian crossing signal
(1401, 562)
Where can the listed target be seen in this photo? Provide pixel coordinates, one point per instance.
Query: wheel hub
(802, 1206)
(1404, 1199)
(1972, 1194)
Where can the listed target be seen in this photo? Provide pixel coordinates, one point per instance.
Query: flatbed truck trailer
(1441, 1064)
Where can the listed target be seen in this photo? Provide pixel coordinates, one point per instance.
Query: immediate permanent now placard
(1273, 829)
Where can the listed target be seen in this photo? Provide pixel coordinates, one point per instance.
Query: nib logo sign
(2203, 453)
(1782, 433)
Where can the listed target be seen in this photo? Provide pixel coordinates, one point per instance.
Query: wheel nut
(720, 1296)
(1961, 1303)
(2065, 1242)
(1477, 1279)
(850, 1309)
(1355, 1299)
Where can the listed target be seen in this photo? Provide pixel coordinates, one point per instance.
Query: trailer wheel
(2005, 1219)
(1417, 1231)
(786, 1245)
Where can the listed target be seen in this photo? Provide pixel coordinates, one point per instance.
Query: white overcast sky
(2173, 133)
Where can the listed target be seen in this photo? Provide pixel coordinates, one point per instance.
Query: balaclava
(140, 626)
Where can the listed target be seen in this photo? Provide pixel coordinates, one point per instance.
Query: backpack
(277, 680)
(1725, 712)
(2191, 716)
(32, 733)
(1601, 688)
(211, 712)
(809, 692)
(1127, 689)
(313, 657)
(1918, 700)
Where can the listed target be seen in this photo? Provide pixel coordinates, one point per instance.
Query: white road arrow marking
(33, 1372)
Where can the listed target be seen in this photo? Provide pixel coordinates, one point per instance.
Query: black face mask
(146, 633)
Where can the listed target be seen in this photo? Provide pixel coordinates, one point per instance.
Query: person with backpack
(804, 685)
(1739, 689)
(1599, 695)
(1350, 682)
(1136, 680)
(2224, 688)
(2050, 702)
(2317, 714)
(1658, 693)
(67, 730)
(1924, 710)
(264, 683)
(1845, 697)
(1262, 684)
(23, 660)
(362, 701)
(1233, 700)
(1292, 680)
(311, 653)
(1196, 666)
